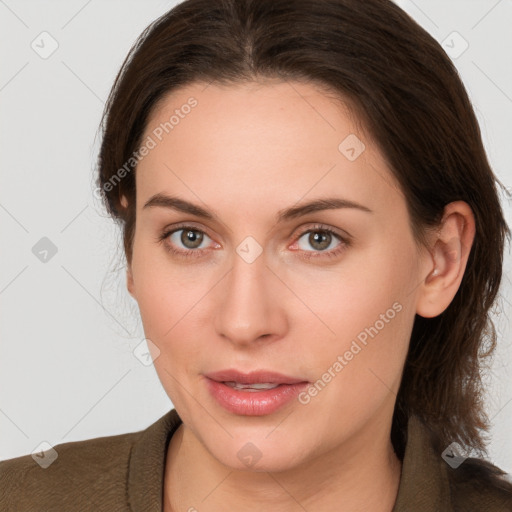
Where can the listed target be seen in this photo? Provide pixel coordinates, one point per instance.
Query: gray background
(68, 326)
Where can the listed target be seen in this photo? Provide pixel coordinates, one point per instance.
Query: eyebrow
(328, 203)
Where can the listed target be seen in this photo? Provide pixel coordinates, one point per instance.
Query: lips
(256, 393)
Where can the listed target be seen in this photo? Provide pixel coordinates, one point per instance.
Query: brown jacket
(125, 473)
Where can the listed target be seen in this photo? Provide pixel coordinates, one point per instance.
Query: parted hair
(408, 96)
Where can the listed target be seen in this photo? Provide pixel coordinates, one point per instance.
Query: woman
(314, 238)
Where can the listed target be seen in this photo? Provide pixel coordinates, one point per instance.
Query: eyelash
(306, 255)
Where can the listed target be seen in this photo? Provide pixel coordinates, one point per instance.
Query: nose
(250, 306)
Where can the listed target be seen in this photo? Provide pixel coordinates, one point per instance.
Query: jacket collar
(145, 483)
(424, 484)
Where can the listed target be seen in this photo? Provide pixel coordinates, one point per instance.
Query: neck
(361, 474)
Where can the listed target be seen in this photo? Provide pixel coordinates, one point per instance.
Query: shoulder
(68, 476)
(480, 486)
(103, 474)
(438, 478)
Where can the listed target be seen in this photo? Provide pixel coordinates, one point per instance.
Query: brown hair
(409, 97)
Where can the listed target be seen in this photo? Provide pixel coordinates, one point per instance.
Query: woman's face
(247, 278)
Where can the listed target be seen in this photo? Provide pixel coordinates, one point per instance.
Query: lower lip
(254, 403)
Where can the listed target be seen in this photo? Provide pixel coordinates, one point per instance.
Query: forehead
(279, 114)
(280, 139)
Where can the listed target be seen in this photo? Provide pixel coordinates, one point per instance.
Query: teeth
(251, 387)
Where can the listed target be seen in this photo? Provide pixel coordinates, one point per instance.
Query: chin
(257, 462)
(256, 452)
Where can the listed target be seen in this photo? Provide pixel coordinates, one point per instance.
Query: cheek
(369, 311)
(166, 308)
(168, 312)
(346, 299)
(167, 293)
(170, 320)
(359, 373)
(171, 301)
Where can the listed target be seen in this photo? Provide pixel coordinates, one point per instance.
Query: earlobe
(447, 260)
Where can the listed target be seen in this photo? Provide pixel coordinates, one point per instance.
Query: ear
(129, 275)
(446, 261)
(129, 281)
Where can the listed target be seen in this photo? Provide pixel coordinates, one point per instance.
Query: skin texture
(245, 153)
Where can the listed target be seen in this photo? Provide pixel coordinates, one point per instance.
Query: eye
(185, 241)
(320, 241)
(189, 237)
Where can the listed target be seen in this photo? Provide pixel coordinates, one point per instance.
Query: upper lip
(254, 377)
